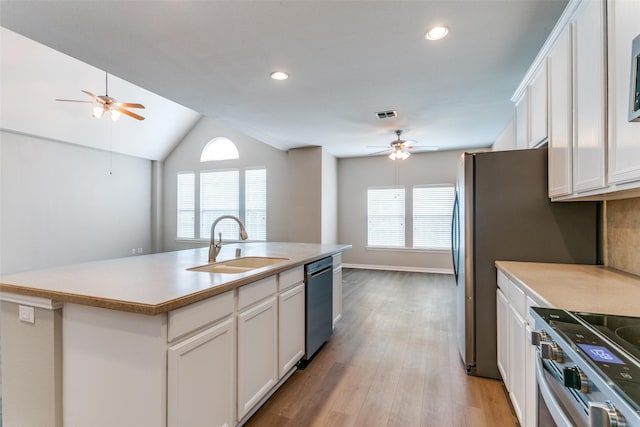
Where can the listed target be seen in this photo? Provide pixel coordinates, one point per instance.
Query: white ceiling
(346, 59)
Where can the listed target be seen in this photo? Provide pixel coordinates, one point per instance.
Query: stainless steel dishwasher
(319, 306)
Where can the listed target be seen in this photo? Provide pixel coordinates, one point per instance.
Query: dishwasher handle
(317, 273)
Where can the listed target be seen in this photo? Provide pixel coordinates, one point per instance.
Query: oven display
(600, 354)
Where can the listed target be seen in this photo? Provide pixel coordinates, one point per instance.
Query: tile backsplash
(623, 234)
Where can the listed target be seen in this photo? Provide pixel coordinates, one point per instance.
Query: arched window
(219, 148)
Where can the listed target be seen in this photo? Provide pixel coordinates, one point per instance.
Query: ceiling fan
(400, 148)
(107, 104)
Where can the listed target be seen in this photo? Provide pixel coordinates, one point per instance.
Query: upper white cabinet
(624, 136)
(594, 152)
(589, 96)
(560, 116)
(538, 107)
(522, 121)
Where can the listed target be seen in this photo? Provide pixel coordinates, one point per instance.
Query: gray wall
(506, 140)
(355, 175)
(329, 190)
(60, 204)
(253, 153)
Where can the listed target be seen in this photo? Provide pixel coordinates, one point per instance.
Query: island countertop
(574, 287)
(157, 283)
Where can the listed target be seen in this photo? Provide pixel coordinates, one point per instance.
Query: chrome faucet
(214, 248)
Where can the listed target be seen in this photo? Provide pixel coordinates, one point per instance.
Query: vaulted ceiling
(346, 61)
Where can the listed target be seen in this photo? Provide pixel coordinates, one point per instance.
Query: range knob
(550, 351)
(576, 379)
(605, 415)
(538, 337)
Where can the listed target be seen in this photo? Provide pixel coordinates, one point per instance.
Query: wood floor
(392, 361)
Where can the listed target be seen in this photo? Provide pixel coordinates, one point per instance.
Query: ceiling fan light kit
(107, 104)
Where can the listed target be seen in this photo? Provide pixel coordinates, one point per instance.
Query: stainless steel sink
(238, 265)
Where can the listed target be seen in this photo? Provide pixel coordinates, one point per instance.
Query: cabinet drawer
(254, 292)
(194, 316)
(517, 299)
(291, 277)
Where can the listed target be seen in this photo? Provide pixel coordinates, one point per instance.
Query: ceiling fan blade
(424, 147)
(97, 98)
(74, 100)
(128, 105)
(380, 152)
(128, 113)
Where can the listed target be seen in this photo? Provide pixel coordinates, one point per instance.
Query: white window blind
(432, 210)
(256, 203)
(186, 214)
(219, 195)
(385, 217)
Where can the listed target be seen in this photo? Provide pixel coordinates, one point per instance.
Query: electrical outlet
(133, 251)
(139, 250)
(26, 314)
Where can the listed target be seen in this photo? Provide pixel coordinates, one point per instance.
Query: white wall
(355, 175)
(506, 140)
(186, 157)
(329, 218)
(59, 203)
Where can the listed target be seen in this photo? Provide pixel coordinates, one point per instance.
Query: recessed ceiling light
(279, 75)
(436, 33)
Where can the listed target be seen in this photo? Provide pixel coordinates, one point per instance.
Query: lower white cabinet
(201, 378)
(290, 328)
(516, 355)
(517, 360)
(503, 338)
(337, 292)
(257, 353)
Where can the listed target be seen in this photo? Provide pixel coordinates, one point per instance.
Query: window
(385, 217)
(219, 148)
(186, 205)
(432, 209)
(219, 195)
(222, 192)
(256, 203)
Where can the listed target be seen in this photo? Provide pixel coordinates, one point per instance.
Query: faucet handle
(219, 244)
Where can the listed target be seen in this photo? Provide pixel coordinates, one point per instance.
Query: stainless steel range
(588, 368)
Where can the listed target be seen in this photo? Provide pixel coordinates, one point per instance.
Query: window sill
(396, 249)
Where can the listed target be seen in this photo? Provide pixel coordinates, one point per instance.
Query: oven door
(556, 404)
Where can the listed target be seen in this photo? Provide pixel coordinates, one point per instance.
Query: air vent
(387, 114)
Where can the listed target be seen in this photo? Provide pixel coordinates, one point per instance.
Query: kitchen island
(146, 341)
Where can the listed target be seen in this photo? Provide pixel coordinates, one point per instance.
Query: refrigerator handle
(454, 230)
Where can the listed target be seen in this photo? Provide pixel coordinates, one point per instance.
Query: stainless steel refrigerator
(502, 212)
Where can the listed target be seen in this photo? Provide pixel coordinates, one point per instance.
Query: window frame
(241, 197)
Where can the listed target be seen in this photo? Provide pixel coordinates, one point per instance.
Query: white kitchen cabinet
(337, 288)
(257, 353)
(517, 360)
(589, 96)
(291, 322)
(522, 122)
(538, 129)
(503, 337)
(624, 136)
(560, 116)
(201, 378)
(516, 355)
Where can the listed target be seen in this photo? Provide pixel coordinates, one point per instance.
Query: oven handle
(555, 407)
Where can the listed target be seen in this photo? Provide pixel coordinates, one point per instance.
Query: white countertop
(587, 288)
(153, 284)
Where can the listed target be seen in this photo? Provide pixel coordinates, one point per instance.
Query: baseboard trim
(399, 268)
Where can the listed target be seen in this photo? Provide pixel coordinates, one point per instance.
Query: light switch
(26, 314)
